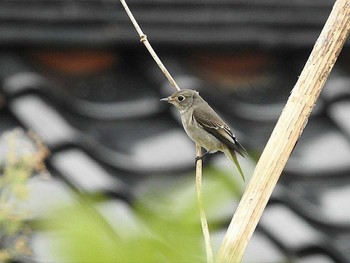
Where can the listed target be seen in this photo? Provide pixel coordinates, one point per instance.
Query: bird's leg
(201, 156)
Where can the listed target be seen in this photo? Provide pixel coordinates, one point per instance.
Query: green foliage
(165, 225)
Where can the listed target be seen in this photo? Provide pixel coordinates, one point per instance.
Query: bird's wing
(214, 125)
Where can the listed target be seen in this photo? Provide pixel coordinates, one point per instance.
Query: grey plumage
(204, 126)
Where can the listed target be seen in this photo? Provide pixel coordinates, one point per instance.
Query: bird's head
(182, 99)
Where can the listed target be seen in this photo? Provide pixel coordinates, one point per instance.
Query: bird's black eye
(180, 98)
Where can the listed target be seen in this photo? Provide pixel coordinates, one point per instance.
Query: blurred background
(94, 168)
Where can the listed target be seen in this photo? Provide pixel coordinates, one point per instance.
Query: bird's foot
(200, 157)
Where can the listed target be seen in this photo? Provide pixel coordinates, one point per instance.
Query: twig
(144, 40)
(203, 218)
(204, 223)
(286, 133)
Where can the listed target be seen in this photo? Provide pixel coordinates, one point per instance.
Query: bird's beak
(165, 99)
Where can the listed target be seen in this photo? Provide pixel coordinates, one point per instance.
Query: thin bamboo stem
(286, 133)
(204, 223)
(144, 40)
(203, 218)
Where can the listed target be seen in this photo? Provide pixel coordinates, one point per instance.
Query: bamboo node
(143, 38)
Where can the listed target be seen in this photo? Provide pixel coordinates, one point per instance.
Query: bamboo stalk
(203, 218)
(144, 40)
(204, 223)
(286, 133)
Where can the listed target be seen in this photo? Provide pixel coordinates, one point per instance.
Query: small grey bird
(204, 126)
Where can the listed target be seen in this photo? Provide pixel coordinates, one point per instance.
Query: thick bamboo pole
(286, 133)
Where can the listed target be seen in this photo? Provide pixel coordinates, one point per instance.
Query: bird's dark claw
(198, 158)
(201, 156)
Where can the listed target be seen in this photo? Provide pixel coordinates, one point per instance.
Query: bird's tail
(233, 157)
